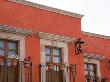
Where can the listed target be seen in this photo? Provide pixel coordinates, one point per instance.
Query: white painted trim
(55, 10)
(94, 56)
(21, 40)
(55, 37)
(96, 35)
(15, 30)
(62, 45)
(94, 61)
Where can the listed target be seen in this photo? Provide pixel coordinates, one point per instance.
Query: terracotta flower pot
(14, 62)
(97, 78)
(27, 64)
(1, 58)
(50, 65)
(62, 66)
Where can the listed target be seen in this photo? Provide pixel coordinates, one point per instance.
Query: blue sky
(96, 13)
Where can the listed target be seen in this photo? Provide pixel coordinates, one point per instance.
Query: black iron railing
(105, 79)
(57, 72)
(15, 71)
(89, 78)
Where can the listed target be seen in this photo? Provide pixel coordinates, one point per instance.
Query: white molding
(62, 45)
(94, 56)
(55, 37)
(35, 5)
(15, 30)
(21, 44)
(91, 59)
(96, 35)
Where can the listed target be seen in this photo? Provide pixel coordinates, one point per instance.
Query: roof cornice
(35, 5)
(96, 35)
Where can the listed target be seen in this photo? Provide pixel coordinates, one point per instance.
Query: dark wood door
(8, 73)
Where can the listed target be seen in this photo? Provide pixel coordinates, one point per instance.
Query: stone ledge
(35, 5)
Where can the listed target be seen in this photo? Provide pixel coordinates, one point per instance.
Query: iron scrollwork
(78, 46)
(58, 69)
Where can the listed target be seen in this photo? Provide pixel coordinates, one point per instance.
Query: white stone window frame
(94, 61)
(21, 45)
(64, 46)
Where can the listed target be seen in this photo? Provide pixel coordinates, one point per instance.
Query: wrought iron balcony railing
(15, 70)
(52, 72)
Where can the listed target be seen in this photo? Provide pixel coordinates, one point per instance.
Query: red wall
(40, 20)
(99, 46)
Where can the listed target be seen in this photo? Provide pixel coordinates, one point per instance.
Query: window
(8, 73)
(8, 47)
(56, 52)
(53, 54)
(90, 70)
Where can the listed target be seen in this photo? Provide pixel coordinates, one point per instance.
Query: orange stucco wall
(99, 46)
(39, 20)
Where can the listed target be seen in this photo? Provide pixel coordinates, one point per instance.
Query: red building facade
(47, 39)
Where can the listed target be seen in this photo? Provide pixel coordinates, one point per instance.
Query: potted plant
(1, 58)
(62, 66)
(97, 78)
(50, 65)
(14, 60)
(27, 62)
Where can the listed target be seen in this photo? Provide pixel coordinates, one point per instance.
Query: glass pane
(86, 72)
(47, 58)
(56, 59)
(11, 45)
(1, 44)
(1, 52)
(56, 51)
(85, 66)
(48, 51)
(91, 67)
(11, 53)
(92, 73)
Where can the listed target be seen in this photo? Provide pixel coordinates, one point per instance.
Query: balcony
(52, 72)
(15, 70)
(21, 71)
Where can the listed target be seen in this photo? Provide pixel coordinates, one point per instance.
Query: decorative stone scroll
(94, 56)
(15, 30)
(54, 37)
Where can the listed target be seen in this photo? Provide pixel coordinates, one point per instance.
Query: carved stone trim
(15, 30)
(35, 5)
(55, 37)
(93, 56)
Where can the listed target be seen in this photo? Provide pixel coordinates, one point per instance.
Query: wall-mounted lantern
(78, 46)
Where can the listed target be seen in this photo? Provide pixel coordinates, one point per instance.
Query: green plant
(14, 57)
